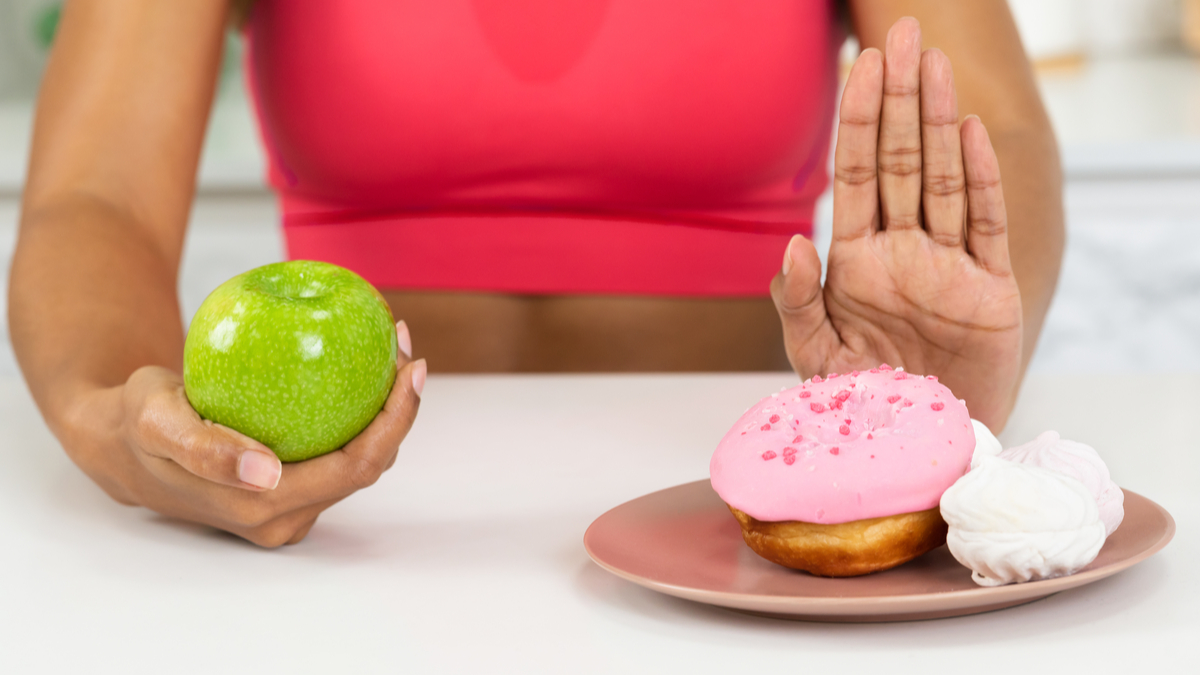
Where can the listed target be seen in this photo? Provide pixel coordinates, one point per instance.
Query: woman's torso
(553, 164)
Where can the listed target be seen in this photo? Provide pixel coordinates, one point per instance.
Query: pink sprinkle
(937, 405)
(893, 398)
(789, 460)
(907, 403)
(768, 455)
(901, 376)
(816, 407)
(834, 450)
(797, 439)
(743, 433)
(844, 430)
(835, 405)
(789, 451)
(872, 456)
(884, 366)
(874, 370)
(831, 376)
(931, 377)
(817, 378)
(854, 373)
(870, 438)
(842, 395)
(765, 427)
(774, 419)
(805, 394)
(847, 420)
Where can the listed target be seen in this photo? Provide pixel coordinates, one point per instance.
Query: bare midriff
(490, 332)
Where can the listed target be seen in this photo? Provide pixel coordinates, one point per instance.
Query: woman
(535, 185)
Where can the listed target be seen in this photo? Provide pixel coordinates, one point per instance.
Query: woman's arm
(117, 136)
(995, 82)
(92, 299)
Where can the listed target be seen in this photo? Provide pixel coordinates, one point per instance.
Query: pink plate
(683, 541)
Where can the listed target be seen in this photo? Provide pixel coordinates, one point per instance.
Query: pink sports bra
(654, 147)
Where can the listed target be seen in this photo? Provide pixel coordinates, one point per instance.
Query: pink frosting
(862, 445)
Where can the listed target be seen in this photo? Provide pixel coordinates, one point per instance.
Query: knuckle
(392, 460)
(983, 184)
(201, 455)
(901, 90)
(141, 376)
(854, 174)
(271, 536)
(935, 121)
(988, 225)
(145, 420)
(201, 464)
(943, 184)
(120, 494)
(858, 120)
(797, 306)
(946, 239)
(902, 163)
(123, 499)
(364, 472)
(906, 221)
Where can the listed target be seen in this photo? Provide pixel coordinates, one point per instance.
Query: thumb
(808, 334)
(166, 430)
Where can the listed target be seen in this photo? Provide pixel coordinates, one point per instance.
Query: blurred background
(1121, 80)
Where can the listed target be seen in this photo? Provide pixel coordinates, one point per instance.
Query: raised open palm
(919, 273)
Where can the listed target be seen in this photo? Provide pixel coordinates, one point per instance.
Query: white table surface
(467, 556)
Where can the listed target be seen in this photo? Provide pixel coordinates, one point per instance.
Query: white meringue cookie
(1079, 461)
(1013, 522)
(986, 443)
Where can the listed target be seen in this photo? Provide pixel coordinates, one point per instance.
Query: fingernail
(418, 376)
(259, 469)
(787, 256)
(403, 339)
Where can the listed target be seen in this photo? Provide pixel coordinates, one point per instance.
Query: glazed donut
(842, 476)
(845, 549)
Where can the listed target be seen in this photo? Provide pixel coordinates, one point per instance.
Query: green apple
(299, 355)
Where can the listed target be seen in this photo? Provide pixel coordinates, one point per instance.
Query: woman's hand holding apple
(153, 450)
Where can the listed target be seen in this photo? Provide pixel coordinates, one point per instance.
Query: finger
(301, 533)
(808, 334)
(900, 129)
(944, 197)
(403, 343)
(987, 221)
(166, 430)
(289, 528)
(365, 458)
(855, 183)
